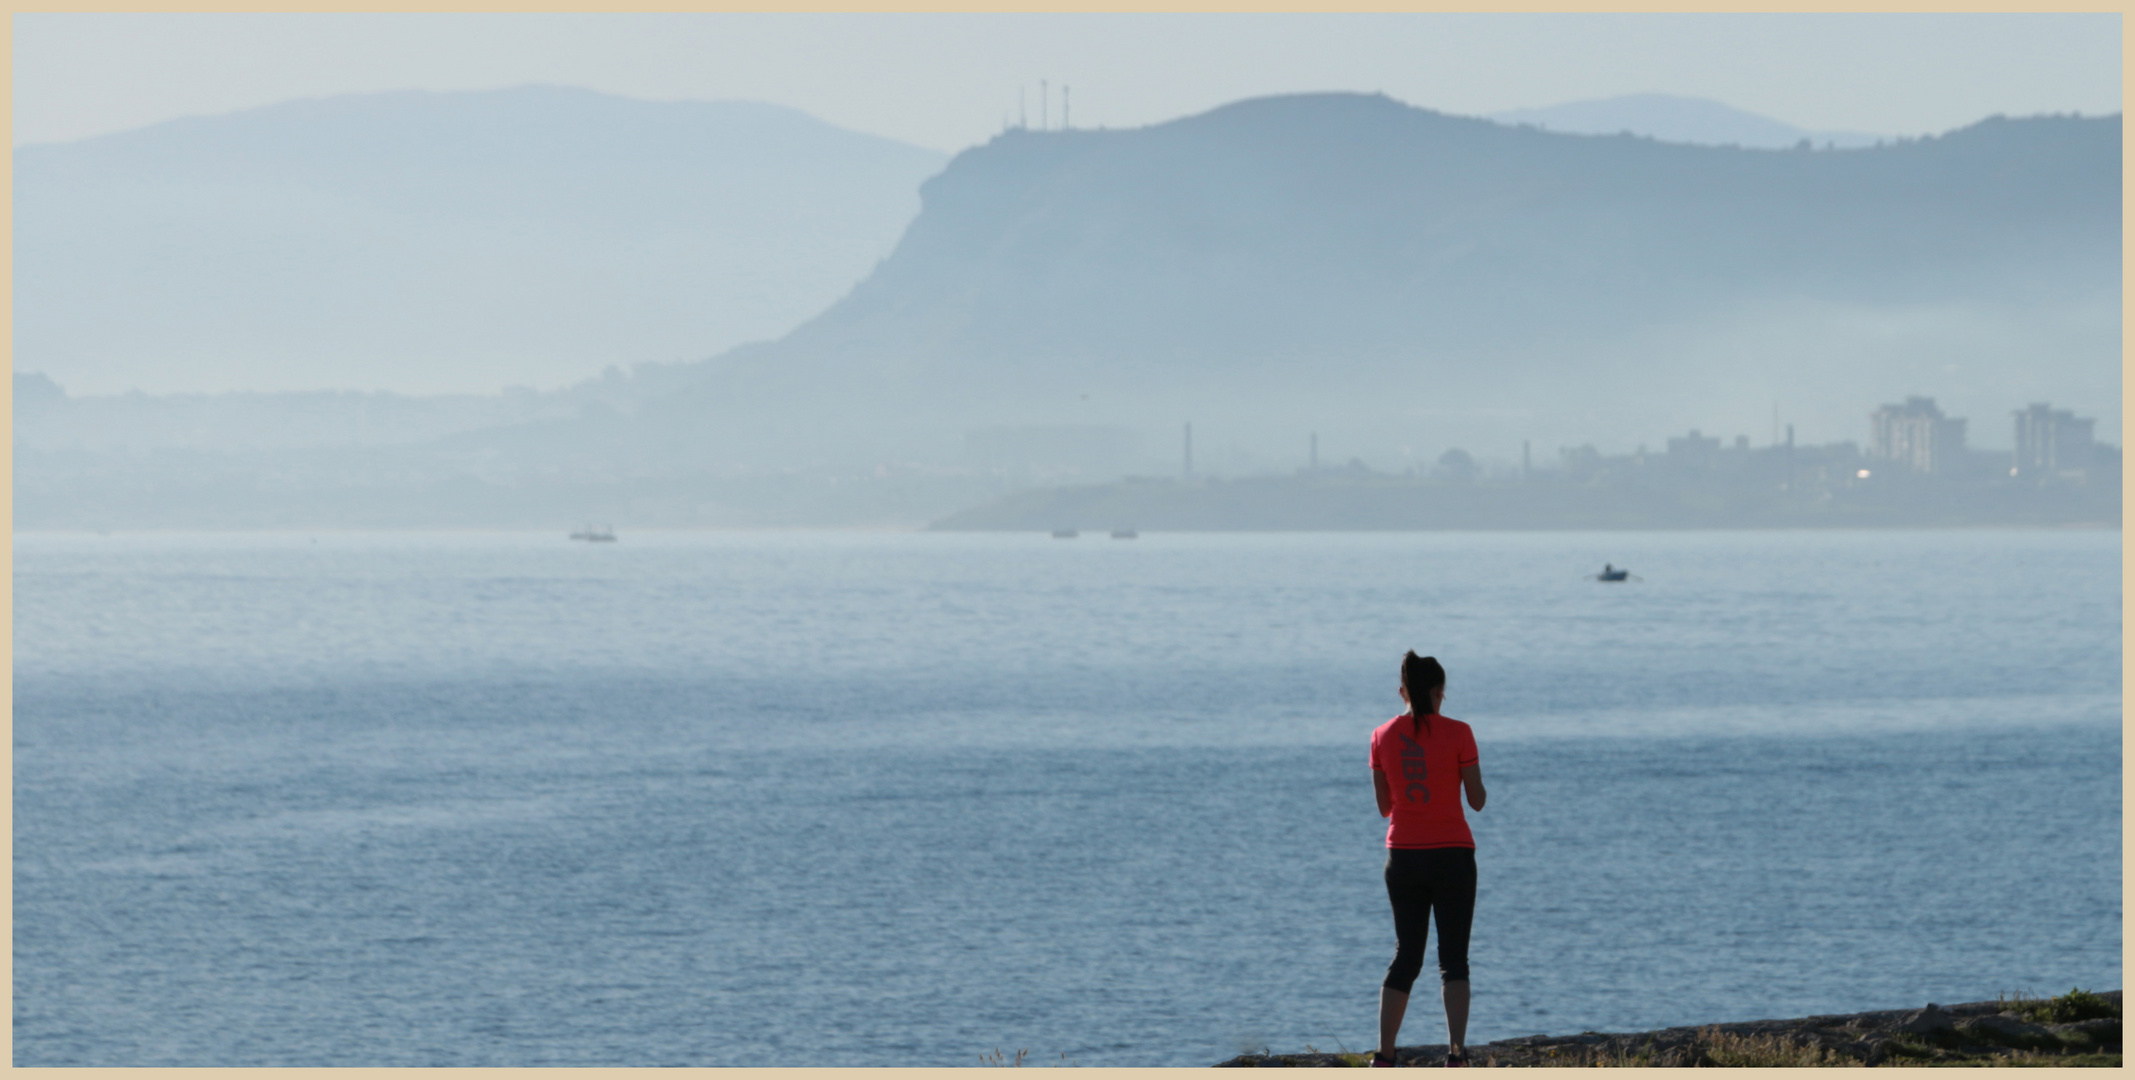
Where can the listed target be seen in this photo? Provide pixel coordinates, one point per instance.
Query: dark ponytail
(1419, 676)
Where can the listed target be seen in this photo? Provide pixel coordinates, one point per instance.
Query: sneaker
(1456, 1061)
(1379, 1062)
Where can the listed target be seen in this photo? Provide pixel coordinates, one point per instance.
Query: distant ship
(1609, 572)
(599, 534)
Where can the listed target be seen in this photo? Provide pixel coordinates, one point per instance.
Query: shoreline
(2075, 1029)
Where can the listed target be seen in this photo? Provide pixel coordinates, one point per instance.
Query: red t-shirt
(1422, 766)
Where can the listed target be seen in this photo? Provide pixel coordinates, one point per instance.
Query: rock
(2007, 1030)
(2104, 1031)
(2006, 1022)
(1977, 1033)
(1876, 1051)
(1928, 1021)
(2093, 1028)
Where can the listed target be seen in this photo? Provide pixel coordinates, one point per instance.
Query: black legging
(1417, 881)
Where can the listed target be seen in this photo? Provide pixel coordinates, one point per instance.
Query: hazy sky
(948, 81)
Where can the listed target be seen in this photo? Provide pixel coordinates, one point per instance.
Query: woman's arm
(1471, 777)
(1384, 791)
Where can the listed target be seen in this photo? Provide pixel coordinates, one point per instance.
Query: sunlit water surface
(865, 799)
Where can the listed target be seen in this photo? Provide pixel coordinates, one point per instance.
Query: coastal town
(1916, 469)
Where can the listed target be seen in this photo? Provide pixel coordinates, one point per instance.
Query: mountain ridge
(1680, 119)
(1286, 253)
(441, 241)
(1378, 282)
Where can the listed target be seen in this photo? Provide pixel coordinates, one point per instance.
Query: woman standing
(1417, 760)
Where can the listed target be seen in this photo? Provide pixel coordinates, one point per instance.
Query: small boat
(1064, 534)
(1124, 534)
(598, 534)
(1610, 572)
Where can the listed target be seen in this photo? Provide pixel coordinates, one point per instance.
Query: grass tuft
(1716, 1048)
(2077, 1004)
(1770, 1051)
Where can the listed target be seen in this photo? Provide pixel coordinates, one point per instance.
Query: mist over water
(739, 316)
(876, 799)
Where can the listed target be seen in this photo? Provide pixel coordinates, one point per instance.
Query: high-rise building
(2050, 440)
(1693, 451)
(1916, 437)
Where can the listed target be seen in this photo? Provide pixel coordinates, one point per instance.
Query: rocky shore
(2077, 1028)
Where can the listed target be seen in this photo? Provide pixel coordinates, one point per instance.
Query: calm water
(856, 799)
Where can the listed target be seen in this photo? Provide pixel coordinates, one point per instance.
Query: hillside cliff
(1348, 260)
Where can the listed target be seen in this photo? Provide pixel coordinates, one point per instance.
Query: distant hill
(433, 242)
(1672, 118)
(1337, 271)
(1402, 281)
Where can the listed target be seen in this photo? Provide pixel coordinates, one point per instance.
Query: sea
(874, 798)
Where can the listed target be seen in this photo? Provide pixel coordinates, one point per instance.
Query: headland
(2079, 1028)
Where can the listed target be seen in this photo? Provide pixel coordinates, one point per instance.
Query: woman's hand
(1471, 778)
